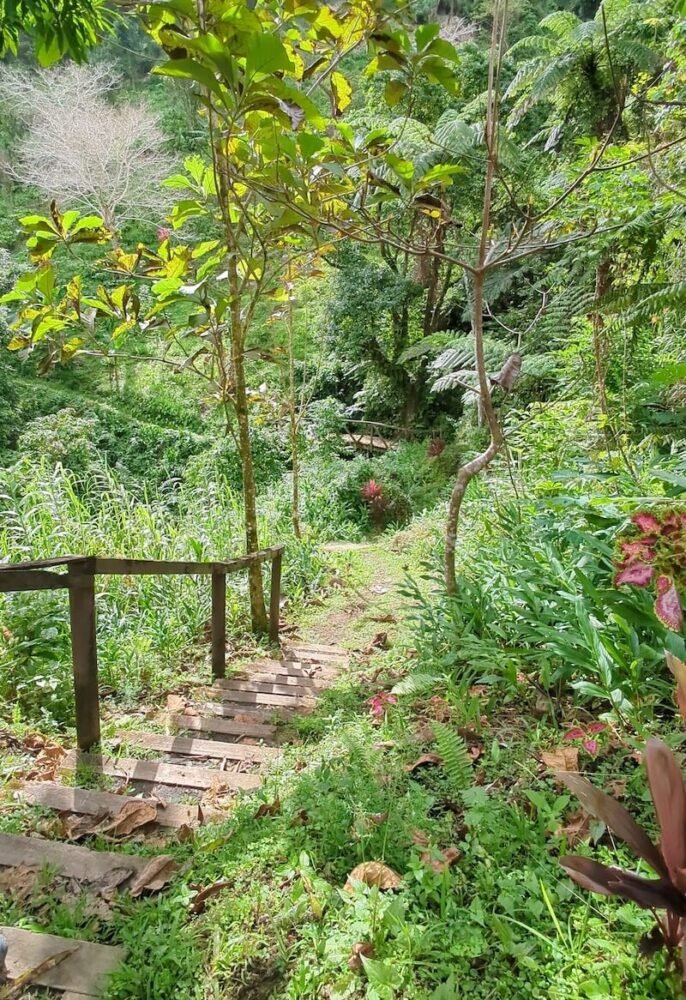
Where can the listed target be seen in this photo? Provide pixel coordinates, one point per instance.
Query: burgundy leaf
(651, 894)
(669, 795)
(619, 819)
(668, 605)
(639, 574)
(589, 874)
(646, 522)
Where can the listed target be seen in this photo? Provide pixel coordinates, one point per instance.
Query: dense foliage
(413, 277)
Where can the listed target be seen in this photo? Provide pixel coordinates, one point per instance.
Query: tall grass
(147, 626)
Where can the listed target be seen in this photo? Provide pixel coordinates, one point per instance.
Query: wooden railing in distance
(79, 579)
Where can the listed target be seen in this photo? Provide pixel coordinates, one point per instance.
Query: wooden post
(275, 598)
(218, 625)
(84, 658)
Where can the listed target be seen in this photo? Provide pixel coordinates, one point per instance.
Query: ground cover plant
(408, 299)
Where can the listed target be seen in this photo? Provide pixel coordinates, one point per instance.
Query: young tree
(82, 149)
(274, 183)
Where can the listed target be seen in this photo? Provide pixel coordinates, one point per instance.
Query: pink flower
(668, 606)
(646, 522)
(372, 491)
(163, 233)
(640, 574)
(379, 702)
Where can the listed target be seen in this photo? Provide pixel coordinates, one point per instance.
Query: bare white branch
(81, 147)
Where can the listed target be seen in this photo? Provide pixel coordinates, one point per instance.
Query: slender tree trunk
(257, 608)
(478, 278)
(603, 280)
(294, 429)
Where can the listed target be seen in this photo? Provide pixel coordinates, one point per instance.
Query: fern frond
(418, 683)
(453, 750)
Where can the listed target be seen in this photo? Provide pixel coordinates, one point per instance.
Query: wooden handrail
(79, 580)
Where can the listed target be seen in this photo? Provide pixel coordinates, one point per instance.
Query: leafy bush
(63, 437)
(536, 594)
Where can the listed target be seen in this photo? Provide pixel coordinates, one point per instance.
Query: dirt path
(360, 611)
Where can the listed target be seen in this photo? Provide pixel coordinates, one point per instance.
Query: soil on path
(354, 616)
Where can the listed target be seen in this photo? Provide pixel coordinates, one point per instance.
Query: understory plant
(655, 552)
(664, 896)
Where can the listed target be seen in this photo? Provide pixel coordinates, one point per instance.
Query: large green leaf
(267, 55)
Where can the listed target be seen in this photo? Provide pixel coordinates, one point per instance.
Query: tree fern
(457, 763)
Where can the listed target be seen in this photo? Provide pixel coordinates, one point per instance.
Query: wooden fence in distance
(79, 579)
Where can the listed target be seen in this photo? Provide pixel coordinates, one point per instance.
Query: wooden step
(260, 698)
(258, 715)
(290, 679)
(197, 748)
(159, 773)
(90, 803)
(308, 651)
(301, 655)
(264, 686)
(83, 973)
(223, 727)
(71, 860)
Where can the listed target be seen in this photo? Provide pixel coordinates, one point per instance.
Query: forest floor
(433, 791)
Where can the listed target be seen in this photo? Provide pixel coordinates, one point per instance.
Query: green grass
(503, 921)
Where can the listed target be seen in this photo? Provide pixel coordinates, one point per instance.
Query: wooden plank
(159, 773)
(265, 698)
(43, 563)
(52, 795)
(223, 727)
(83, 973)
(264, 685)
(300, 681)
(315, 656)
(71, 860)
(165, 567)
(275, 598)
(198, 748)
(84, 659)
(295, 668)
(318, 647)
(218, 624)
(19, 580)
(258, 715)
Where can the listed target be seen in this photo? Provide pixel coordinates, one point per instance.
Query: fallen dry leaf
(130, 817)
(269, 809)
(107, 886)
(373, 873)
(426, 759)
(156, 874)
(380, 641)
(176, 704)
(301, 818)
(561, 759)
(18, 882)
(201, 897)
(185, 834)
(359, 950)
(441, 862)
(421, 838)
(383, 619)
(576, 828)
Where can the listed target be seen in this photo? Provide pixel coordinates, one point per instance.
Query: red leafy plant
(435, 448)
(655, 551)
(379, 703)
(374, 495)
(665, 893)
(586, 735)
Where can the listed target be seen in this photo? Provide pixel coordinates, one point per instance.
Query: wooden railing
(79, 580)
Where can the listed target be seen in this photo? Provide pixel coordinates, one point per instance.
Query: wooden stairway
(238, 740)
